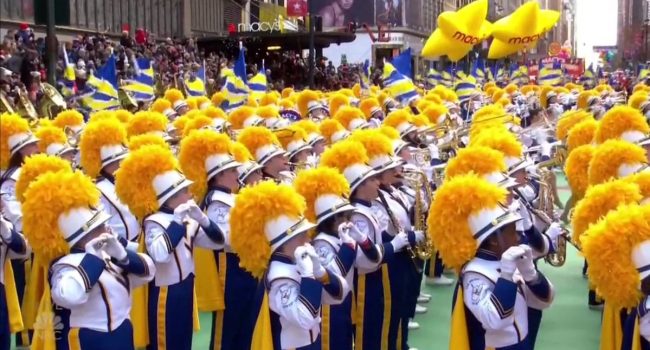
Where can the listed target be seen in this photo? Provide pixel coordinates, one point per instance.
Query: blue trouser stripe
(179, 315)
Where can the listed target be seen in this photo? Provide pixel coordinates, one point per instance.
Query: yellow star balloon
(521, 29)
(458, 31)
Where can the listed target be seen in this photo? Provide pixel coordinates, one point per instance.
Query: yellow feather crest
(420, 121)
(343, 154)
(218, 98)
(609, 156)
(240, 152)
(254, 207)
(395, 118)
(619, 120)
(69, 117)
(583, 98)
(501, 140)
(600, 200)
(239, 115)
(475, 159)
(173, 95)
(269, 99)
(312, 183)
(433, 98)
(145, 121)
(160, 105)
(608, 245)
(255, 137)
(576, 169)
(375, 142)
(123, 115)
(367, 105)
(10, 124)
(138, 141)
(49, 196)
(433, 112)
(338, 101)
(102, 115)
(198, 122)
(568, 120)
(134, 178)
(180, 122)
(48, 135)
(307, 125)
(637, 99)
(267, 112)
(642, 179)
(454, 202)
(192, 103)
(289, 134)
(581, 134)
(286, 92)
(329, 127)
(95, 135)
(346, 114)
(214, 112)
(390, 132)
(35, 166)
(195, 149)
(287, 104)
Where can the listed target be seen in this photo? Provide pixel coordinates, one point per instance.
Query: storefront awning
(254, 41)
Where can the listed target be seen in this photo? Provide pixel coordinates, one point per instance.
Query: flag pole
(312, 48)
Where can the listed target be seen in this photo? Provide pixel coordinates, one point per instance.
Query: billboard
(338, 13)
(389, 13)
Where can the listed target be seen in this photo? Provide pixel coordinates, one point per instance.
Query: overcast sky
(596, 26)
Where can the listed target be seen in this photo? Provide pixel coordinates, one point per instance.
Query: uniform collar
(361, 201)
(281, 257)
(220, 189)
(486, 255)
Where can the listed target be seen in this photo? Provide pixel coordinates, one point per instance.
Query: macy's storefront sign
(274, 26)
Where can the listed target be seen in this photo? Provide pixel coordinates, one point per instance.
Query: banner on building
(297, 8)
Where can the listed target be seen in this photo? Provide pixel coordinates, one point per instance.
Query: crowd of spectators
(23, 62)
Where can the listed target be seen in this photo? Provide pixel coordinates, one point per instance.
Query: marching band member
(53, 141)
(372, 286)
(206, 161)
(624, 123)
(401, 121)
(16, 144)
(71, 122)
(175, 97)
(269, 234)
(351, 118)
(314, 139)
(310, 106)
(636, 332)
(333, 131)
(102, 148)
(475, 233)
(91, 274)
(249, 172)
(294, 140)
(265, 147)
(157, 194)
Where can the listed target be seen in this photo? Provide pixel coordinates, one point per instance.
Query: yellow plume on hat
(489, 85)
(619, 120)
(528, 89)
(195, 149)
(642, 179)
(307, 125)
(214, 112)
(160, 105)
(581, 134)
(239, 116)
(10, 124)
(420, 121)
(637, 99)
(138, 141)
(434, 111)
(497, 95)
(433, 98)
(134, 178)
(487, 112)
(198, 122)
(390, 132)
(337, 101)
(192, 103)
(269, 99)
(395, 118)
(173, 95)
(289, 134)
(287, 104)
(568, 120)
(95, 135)
(286, 92)
(68, 118)
(600, 200)
(268, 112)
(543, 95)
(102, 115)
(640, 87)
(455, 201)
(609, 156)
(312, 183)
(123, 115)
(375, 142)
(49, 196)
(218, 98)
(346, 114)
(180, 122)
(329, 127)
(576, 169)
(254, 137)
(608, 249)
(35, 166)
(254, 207)
(145, 122)
(304, 98)
(48, 135)
(510, 88)
(477, 159)
(343, 154)
(369, 105)
(500, 140)
(201, 100)
(240, 152)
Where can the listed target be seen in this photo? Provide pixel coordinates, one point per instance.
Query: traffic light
(61, 12)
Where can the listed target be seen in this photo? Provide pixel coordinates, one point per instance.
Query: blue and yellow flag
(141, 86)
(258, 84)
(399, 87)
(104, 85)
(433, 77)
(195, 84)
(549, 76)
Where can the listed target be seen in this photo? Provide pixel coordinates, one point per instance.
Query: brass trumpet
(417, 180)
(72, 136)
(52, 102)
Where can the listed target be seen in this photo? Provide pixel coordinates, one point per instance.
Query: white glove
(319, 270)
(434, 151)
(5, 230)
(180, 213)
(95, 246)
(345, 238)
(509, 260)
(545, 149)
(194, 212)
(419, 236)
(400, 241)
(525, 264)
(554, 231)
(357, 235)
(113, 247)
(304, 264)
(526, 221)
